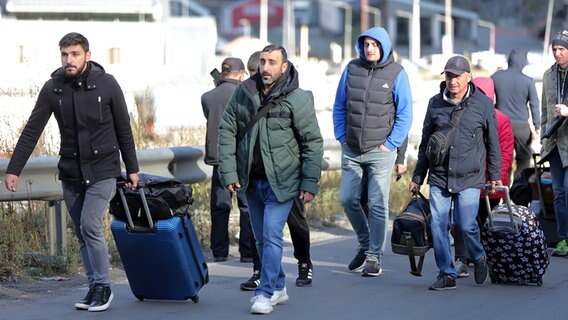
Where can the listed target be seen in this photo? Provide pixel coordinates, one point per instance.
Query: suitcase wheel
(539, 282)
(195, 299)
(141, 298)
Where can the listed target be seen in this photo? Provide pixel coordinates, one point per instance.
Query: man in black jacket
(214, 103)
(95, 131)
(513, 90)
(460, 176)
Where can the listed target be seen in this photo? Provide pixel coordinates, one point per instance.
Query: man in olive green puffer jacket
(278, 159)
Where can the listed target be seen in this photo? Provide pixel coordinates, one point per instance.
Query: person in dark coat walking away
(214, 103)
(95, 131)
(513, 90)
(458, 178)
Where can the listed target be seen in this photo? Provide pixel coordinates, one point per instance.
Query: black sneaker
(480, 270)
(372, 269)
(252, 283)
(86, 302)
(444, 282)
(304, 275)
(102, 296)
(357, 264)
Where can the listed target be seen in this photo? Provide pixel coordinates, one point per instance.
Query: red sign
(250, 10)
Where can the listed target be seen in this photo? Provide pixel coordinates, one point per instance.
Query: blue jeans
(466, 205)
(378, 165)
(267, 217)
(559, 187)
(86, 207)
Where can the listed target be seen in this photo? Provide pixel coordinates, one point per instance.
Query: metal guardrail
(39, 179)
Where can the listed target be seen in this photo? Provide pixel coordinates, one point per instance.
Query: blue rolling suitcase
(162, 259)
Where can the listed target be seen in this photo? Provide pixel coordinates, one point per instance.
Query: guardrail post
(57, 222)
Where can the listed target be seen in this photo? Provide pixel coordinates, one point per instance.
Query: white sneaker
(279, 296)
(260, 305)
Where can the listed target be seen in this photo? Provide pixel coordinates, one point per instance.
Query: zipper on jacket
(62, 113)
(365, 103)
(100, 110)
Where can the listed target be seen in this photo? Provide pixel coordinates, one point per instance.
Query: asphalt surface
(335, 294)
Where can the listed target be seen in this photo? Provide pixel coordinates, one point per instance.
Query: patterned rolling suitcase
(162, 259)
(514, 244)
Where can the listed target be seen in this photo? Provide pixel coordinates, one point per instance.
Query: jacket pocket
(68, 153)
(102, 149)
(100, 109)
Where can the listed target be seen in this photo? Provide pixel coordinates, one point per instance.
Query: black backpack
(411, 234)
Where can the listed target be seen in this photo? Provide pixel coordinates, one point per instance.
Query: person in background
(506, 142)
(513, 90)
(297, 225)
(555, 148)
(458, 179)
(213, 103)
(276, 161)
(372, 115)
(253, 63)
(94, 128)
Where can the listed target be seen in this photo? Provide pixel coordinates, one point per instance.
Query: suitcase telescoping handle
(507, 200)
(538, 170)
(131, 225)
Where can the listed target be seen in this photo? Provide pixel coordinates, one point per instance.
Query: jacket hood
(288, 82)
(517, 59)
(379, 34)
(92, 65)
(486, 86)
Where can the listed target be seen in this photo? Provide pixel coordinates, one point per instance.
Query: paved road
(335, 294)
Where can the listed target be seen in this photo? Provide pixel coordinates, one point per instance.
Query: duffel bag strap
(414, 270)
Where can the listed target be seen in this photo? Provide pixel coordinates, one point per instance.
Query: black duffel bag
(411, 234)
(166, 197)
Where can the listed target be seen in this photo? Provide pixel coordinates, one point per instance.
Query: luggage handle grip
(120, 185)
(507, 198)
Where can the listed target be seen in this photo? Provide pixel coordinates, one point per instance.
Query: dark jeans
(220, 212)
(523, 150)
(299, 232)
(482, 213)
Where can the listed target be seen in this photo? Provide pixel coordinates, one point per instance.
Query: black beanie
(561, 39)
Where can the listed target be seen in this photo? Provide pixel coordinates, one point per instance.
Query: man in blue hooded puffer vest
(372, 115)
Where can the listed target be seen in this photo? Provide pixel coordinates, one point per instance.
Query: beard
(268, 80)
(74, 71)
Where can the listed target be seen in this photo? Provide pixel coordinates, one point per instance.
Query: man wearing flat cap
(554, 110)
(214, 103)
(460, 175)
